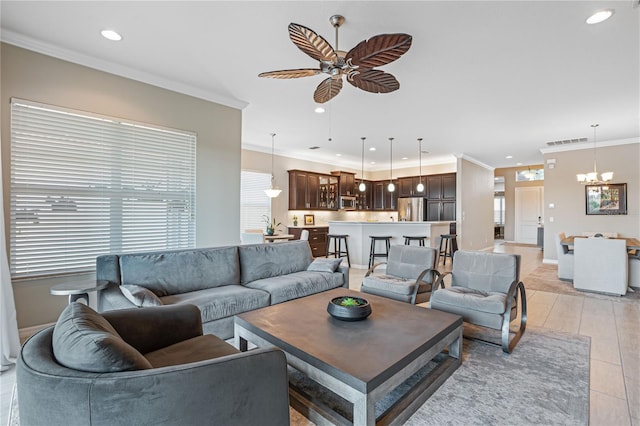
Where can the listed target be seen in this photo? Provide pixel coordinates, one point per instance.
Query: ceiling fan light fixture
(600, 16)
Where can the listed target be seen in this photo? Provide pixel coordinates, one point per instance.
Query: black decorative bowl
(346, 308)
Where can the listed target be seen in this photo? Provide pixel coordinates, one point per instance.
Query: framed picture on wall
(309, 219)
(606, 199)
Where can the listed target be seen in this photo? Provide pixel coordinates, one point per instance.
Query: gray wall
(562, 189)
(41, 78)
(474, 205)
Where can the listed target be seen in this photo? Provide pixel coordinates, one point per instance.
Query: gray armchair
(484, 291)
(147, 366)
(409, 277)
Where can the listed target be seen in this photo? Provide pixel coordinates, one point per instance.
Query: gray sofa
(220, 281)
(149, 366)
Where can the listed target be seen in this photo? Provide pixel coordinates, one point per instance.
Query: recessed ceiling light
(599, 16)
(111, 35)
(373, 162)
(373, 148)
(405, 158)
(319, 110)
(518, 164)
(338, 155)
(509, 157)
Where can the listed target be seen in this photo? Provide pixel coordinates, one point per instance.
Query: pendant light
(362, 187)
(273, 191)
(420, 187)
(391, 186)
(591, 178)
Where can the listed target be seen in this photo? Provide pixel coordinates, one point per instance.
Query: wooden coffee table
(360, 361)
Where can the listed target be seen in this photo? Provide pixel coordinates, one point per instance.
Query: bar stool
(372, 251)
(408, 238)
(450, 247)
(337, 246)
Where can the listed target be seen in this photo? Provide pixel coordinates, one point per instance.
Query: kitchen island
(359, 232)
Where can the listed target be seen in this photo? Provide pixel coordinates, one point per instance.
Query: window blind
(83, 185)
(254, 203)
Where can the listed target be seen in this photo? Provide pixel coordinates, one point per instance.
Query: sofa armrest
(149, 329)
(345, 274)
(234, 390)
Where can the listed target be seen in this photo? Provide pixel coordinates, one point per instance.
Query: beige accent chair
(601, 265)
(565, 259)
(485, 290)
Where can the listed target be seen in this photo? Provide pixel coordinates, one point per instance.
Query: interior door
(528, 213)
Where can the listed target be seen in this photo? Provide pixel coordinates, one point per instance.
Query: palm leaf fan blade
(311, 43)
(286, 74)
(374, 81)
(379, 50)
(326, 90)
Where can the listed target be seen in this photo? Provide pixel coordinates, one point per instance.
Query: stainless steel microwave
(347, 202)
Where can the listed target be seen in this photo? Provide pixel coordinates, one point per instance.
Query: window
(498, 208)
(83, 185)
(529, 175)
(254, 203)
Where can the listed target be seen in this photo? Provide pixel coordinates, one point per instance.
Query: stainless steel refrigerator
(412, 209)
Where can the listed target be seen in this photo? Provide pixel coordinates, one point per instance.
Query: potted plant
(295, 220)
(271, 224)
(346, 308)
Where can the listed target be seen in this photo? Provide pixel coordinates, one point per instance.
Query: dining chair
(565, 258)
(304, 235)
(634, 270)
(252, 238)
(601, 265)
(600, 234)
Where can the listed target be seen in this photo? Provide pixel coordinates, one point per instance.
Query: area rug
(545, 278)
(545, 381)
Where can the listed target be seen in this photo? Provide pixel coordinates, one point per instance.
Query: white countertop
(366, 222)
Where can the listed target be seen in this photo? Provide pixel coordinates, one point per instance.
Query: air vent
(314, 147)
(567, 141)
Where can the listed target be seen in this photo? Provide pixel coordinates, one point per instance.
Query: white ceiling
(484, 79)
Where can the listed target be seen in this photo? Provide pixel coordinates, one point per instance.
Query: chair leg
(346, 247)
(507, 346)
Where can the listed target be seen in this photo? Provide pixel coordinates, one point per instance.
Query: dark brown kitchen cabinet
(408, 186)
(347, 182)
(304, 190)
(441, 186)
(441, 210)
(364, 199)
(317, 238)
(382, 198)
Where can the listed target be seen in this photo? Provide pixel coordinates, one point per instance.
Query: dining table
(278, 237)
(632, 243)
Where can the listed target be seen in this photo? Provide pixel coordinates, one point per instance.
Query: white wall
(568, 196)
(40, 78)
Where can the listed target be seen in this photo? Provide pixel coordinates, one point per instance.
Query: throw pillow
(83, 340)
(325, 264)
(140, 296)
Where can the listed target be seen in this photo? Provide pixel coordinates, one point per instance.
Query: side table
(78, 290)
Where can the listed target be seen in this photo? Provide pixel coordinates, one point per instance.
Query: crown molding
(474, 161)
(588, 145)
(20, 40)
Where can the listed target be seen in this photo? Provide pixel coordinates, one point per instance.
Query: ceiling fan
(357, 64)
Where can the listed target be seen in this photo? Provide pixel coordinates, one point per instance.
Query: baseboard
(550, 261)
(25, 333)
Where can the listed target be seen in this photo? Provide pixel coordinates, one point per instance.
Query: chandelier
(591, 178)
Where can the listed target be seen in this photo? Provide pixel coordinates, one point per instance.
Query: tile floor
(614, 328)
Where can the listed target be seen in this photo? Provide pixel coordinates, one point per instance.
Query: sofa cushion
(140, 296)
(221, 302)
(390, 284)
(196, 349)
(84, 340)
(297, 284)
(272, 260)
(469, 299)
(322, 264)
(173, 272)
